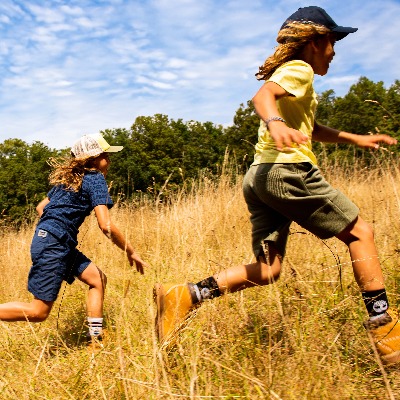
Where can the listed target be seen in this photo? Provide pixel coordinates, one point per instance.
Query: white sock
(95, 326)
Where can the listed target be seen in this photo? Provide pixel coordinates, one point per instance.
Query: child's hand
(134, 258)
(283, 136)
(372, 141)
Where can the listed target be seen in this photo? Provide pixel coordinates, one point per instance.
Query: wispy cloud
(67, 68)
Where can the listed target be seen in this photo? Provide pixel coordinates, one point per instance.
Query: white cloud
(68, 69)
(4, 19)
(45, 14)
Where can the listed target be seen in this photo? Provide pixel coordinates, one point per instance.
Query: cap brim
(114, 149)
(342, 31)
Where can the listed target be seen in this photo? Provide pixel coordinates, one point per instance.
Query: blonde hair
(292, 39)
(69, 171)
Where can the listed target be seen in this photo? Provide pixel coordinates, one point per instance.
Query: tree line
(160, 150)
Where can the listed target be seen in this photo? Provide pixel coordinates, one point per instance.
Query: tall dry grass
(301, 338)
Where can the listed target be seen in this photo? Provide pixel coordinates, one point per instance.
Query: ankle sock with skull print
(204, 290)
(376, 302)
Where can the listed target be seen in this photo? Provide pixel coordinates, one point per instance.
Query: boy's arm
(115, 235)
(322, 133)
(40, 207)
(265, 105)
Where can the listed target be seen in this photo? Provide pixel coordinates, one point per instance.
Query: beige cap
(93, 145)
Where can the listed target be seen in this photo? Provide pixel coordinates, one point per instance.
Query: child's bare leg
(359, 237)
(35, 311)
(96, 280)
(259, 273)
(174, 302)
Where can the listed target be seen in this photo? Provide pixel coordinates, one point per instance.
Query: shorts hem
(43, 297)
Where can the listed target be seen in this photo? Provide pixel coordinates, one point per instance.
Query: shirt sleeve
(295, 77)
(98, 190)
(51, 192)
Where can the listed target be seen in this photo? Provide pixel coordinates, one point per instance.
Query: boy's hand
(372, 141)
(134, 258)
(283, 136)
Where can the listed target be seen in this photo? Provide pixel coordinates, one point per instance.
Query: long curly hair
(292, 39)
(69, 171)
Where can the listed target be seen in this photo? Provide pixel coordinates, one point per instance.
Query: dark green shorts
(277, 194)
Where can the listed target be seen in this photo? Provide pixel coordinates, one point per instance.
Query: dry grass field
(301, 338)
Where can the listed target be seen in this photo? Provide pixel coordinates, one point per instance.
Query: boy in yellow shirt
(284, 185)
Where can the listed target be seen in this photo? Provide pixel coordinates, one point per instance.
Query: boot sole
(159, 296)
(391, 358)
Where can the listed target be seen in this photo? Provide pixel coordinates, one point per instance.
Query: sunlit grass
(301, 338)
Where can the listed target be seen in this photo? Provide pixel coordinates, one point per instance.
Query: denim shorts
(278, 194)
(53, 261)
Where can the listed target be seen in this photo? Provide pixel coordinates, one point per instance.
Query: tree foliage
(359, 110)
(241, 137)
(23, 177)
(368, 108)
(159, 151)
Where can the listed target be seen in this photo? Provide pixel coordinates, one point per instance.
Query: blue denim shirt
(67, 210)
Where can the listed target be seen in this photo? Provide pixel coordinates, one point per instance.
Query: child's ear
(314, 45)
(310, 48)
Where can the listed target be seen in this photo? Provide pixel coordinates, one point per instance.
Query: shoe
(174, 303)
(385, 334)
(96, 343)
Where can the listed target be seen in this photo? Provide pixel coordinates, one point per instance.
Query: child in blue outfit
(285, 185)
(79, 187)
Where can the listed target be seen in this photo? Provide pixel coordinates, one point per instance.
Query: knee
(359, 230)
(39, 318)
(270, 273)
(38, 315)
(363, 231)
(101, 281)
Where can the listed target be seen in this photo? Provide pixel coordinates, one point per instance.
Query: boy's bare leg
(367, 270)
(35, 311)
(259, 273)
(96, 280)
(383, 324)
(175, 301)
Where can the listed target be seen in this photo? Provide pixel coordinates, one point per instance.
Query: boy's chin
(321, 73)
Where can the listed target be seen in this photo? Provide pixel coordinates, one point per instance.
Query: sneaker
(385, 334)
(174, 303)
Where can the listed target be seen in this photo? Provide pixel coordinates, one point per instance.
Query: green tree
(355, 112)
(23, 177)
(158, 150)
(364, 110)
(125, 174)
(391, 107)
(241, 137)
(202, 150)
(325, 108)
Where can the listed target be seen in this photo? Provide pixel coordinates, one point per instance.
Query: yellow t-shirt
(297, 109)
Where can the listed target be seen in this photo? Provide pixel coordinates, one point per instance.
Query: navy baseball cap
(318, 15)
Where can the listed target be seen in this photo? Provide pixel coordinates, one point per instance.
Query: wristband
(268, 120)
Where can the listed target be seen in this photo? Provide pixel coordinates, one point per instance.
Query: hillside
(301, 338)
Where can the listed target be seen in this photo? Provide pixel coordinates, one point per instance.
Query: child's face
(102, 163)
(323, 54)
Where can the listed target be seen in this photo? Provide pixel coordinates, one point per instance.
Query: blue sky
(73, 67)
